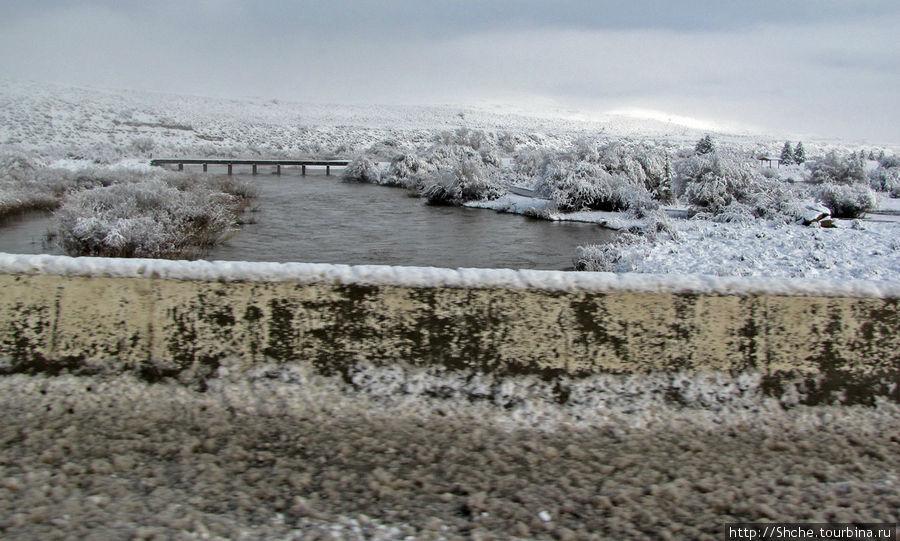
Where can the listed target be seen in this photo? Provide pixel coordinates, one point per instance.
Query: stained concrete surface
(844, 349)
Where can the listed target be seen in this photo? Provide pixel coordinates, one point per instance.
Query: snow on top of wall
(428, 277)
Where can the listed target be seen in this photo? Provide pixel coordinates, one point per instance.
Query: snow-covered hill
(53, 122)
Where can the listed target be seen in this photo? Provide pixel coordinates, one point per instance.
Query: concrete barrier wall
(837, 347)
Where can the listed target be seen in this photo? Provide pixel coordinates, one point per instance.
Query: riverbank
(286, 454)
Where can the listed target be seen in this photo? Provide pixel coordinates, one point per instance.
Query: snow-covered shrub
(833, 169)
(642, 164)
(711, 182)
(657, 224)
(241, 189)
(405, 170)
(362, 169)
(387, 150)
(474, 182)
(732, 213)
(617, 256)
(587, 186)
(705, 145)
(466, 181)
(889, 162)
(460, 173)
(586, 149)
(20, 188)
(143, 144)
(529, 166)
(885, 179)
(845, 201)
(443, 191)
(27, 185)
(477, 140)
(146, 218)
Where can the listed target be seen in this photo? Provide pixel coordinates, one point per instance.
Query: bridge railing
(819, 341)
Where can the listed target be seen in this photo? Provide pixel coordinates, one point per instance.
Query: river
(319, 219)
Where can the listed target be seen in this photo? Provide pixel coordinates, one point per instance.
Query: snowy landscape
(586, 270)
(684, 201)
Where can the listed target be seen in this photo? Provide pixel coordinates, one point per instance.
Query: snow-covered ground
(854, 250)
(867, 249)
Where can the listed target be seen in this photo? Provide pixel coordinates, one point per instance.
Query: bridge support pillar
(204, 167)
(303, 170)
(327, 170)
(278, 169)
(254, 168)
(229, 168)
(181, 167)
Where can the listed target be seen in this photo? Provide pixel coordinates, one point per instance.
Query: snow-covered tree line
(717, 182)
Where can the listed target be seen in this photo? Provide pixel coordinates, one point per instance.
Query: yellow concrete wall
(162, 327)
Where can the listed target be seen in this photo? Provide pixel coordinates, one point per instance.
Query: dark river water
(319, 219)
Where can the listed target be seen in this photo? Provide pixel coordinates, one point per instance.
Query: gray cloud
(822, 67)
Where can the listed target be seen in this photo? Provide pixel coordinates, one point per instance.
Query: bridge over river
(254, 163)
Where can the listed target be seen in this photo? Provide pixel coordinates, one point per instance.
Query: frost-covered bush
(732, 213)
(780, 203)
(147, 218)
(405, 170)
(713, 182)
(387, 150)
(643, 165)
(362, 169)
(705, 145)
(627, 251)
(889, 162)
(845, 201)
(26, 185)
(475, 139)
(637, 172)
(143, 144)
(460, 173)
(20, 187)
(834, 169)
(460, 166)
(443, 191)
(466, 181)
(885, 179)
(657, 225)
(587, 186)
(620, 255)
(530, 165)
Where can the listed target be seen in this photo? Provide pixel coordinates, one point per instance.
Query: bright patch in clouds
(651, 114)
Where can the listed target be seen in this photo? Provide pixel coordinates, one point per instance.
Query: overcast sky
(817, 67)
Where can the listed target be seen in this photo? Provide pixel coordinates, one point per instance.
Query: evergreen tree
(871, 154)
(705, 145)
(799, 153)
(664, 190)
(787, 154)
